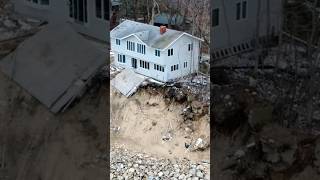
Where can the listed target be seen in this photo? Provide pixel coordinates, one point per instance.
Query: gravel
(127, 164)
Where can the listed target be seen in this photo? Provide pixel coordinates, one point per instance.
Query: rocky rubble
(260, 118)
(126, 164)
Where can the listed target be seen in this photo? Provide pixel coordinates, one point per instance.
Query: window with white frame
(40, 2)
(144, 64)
(175, 67)
(102, 9)
(185, 64)
(121, 58)
(158, 68)
(131, 46)
(170, 52)
(141, 48)
(241, 10)
(190, 47)
(157, 52)
(117, 41)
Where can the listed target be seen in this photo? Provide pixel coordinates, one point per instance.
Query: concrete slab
(49, 63)
(127, 82)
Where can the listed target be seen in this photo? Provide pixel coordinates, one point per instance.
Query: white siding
(231, 32)
(180, 56)
(58, 11)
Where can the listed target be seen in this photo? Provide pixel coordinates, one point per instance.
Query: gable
(147, 34)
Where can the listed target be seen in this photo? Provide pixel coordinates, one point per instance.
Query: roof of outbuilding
(154, 38)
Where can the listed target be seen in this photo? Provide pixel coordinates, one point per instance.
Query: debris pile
(13, 25)
(129, 165)
(261, 129)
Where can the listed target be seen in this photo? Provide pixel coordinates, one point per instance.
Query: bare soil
(37, 144)
(140, 121)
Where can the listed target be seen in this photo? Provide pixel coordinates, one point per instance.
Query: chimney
(163, 29)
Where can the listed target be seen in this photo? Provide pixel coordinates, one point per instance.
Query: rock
(160, 174)
(260, 116)
(316, 115)
(200, 144)
(132, 170)
(182, 176)
(8, 23)
(196, 105)
(199, 174)
(252, 82)
(200, 167)
(307, 174)
(192, 172)
(239, 154)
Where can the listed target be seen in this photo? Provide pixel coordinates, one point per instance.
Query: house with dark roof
(157, 52)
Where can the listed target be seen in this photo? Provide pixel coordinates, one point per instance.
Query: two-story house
(237, 23)
(160, 53)
(89, 17)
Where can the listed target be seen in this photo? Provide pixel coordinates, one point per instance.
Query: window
(121, 58)
(157, 52)
(244, 9)
(158, 68)
(170, 52)
(118, 41)
(141, 48)
(185, 64)
(238, 10)
(241, 10)
(215, 17)
(98, 8)
(78, 10)
(130, 46)
(99, 11)
(190, 47)
(144, 64)
(106, 9)
(174, 67)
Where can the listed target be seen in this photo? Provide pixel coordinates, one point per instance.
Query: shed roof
(154, 39)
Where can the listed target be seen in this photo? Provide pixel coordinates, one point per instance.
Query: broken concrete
(127, 82)
(55, 65)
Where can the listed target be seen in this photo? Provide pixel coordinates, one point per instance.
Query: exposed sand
(142, 126)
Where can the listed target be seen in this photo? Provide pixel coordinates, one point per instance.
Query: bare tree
(153, 13)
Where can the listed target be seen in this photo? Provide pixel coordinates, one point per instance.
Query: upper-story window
(241, 8)
(41, 2)
(141, 48)
(118, 41)
(78, 10)
(131, 46)
(102, 9)
(215, 17)
(190, 47)
(157, 52)
(170, 52)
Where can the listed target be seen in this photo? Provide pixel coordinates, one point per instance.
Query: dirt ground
(140, 121)
(36, 144)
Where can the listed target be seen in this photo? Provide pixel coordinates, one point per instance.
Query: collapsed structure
(55, 66)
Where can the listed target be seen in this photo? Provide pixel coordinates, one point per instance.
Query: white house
(160, 53)
(89, 17)
(234, 24)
